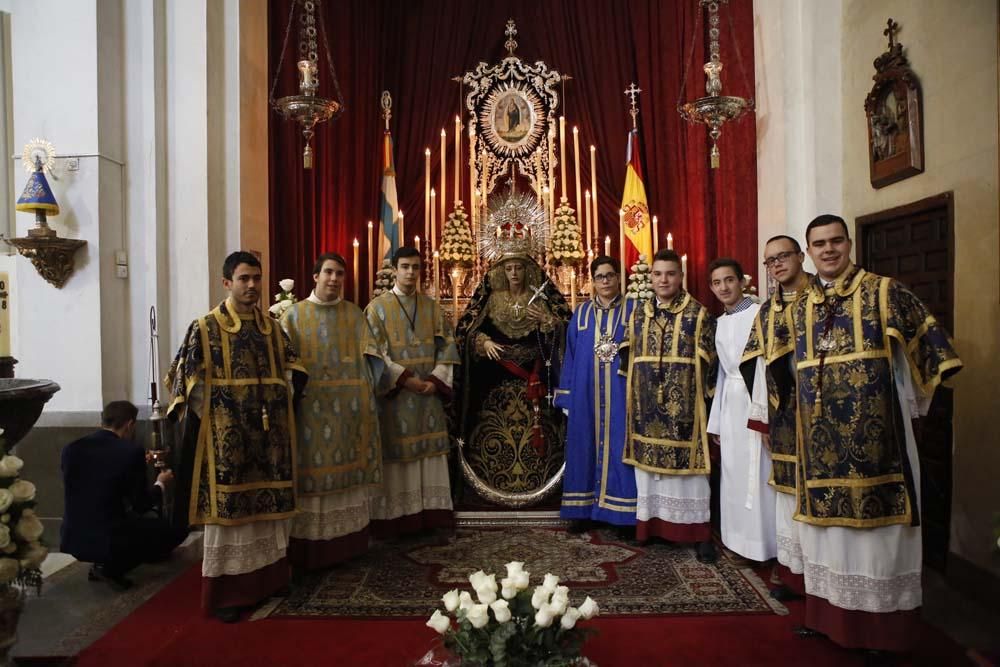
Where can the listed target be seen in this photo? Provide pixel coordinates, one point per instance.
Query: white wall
(149, 92)
(799, 134)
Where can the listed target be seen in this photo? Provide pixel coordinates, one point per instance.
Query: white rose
(543, 618)
(514, 567)
(521, 581)
(540, 597)
(29, 527)
(550, 583)
(23, 491)
(6, 498)
(286, 285)
(589, 609)
(10, 465)
(507, 590)
(439, 622)
(450, 600)
(33, 558)
(8, 570)
(501, 611)
(559, 603)
(5, 536)
(478, 615)
(570, 618)
(465, 600)
(486, 595)
(476, 579)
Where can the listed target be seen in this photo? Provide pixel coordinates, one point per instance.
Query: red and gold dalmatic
(867, 354)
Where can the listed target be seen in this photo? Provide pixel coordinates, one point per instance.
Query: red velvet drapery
(414, 48)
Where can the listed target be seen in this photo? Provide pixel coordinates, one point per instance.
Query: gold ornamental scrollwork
(51, 257)
(512, 107)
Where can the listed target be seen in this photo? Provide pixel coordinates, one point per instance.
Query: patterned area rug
(408, 578)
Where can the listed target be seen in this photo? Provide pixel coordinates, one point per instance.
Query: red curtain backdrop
(413, 49)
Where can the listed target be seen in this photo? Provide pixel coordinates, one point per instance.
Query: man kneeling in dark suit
(112, 516)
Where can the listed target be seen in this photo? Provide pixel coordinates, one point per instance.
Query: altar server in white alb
(746, 500)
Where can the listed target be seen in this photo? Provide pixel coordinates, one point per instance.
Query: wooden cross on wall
(890, 31)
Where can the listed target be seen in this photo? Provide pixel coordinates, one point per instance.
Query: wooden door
(915, 244)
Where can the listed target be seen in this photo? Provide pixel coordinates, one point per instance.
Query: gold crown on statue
(515, 226)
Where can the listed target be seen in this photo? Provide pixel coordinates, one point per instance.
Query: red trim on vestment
(320, 554)
(891, 631)
(758, 426)
(244, 590)
(443, 390)
(675, 532)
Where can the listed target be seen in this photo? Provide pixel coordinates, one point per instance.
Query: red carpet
(170, 630)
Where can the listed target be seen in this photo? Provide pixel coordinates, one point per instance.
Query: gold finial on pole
(510, 33)
(632, 93)
(386, 107)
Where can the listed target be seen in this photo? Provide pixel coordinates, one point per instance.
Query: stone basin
(21, 402)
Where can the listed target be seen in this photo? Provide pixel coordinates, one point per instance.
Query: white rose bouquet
(509, 624)
(640, 281)
(21, 549)
(284, 299)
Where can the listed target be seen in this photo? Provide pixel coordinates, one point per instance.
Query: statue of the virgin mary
(511, 341)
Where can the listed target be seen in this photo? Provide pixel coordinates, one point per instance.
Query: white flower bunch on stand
(284, 299)
(508, 624)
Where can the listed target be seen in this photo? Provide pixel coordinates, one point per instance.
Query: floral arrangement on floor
(21, 549)
(456, 239)
(566, 235)
(385, 278)
(640, 281)
(518, 628)
(283, 300)
(748, 289)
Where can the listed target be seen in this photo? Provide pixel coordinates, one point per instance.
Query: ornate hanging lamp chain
(281, 58)
(739, 59)
(690, 59)
(329, 60)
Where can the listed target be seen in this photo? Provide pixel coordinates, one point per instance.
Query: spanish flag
(388, 240)
(638, 231)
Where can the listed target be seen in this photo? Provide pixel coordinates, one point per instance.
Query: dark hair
(118, 413)
(404, 252)
(326, 256)
(667, 255)
(237, 258)
(824, 220)
(604, 259)
(779, 237)
(723, 262)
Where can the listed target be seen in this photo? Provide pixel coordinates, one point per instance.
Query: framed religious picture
(513, 119)
(893, 113)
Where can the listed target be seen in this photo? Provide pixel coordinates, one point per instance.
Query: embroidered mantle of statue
(511, 341)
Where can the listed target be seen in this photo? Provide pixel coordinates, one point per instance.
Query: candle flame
(356, 243)
(427, 152)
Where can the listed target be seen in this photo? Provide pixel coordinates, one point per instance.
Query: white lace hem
(332, 516)
(232, 550)
(862, 593)
(410, 488)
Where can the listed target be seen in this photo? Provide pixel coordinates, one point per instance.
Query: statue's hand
(493, 351)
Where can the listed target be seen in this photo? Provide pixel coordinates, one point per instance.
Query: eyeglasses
(780, 258)
(605, 277)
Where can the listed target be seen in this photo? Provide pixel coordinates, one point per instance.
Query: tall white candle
(458, 157)
(372, 252)
(656, 236)
(572, 289)
(607, 246)
(416, 243)
(427, 193)
(593, 192)
(589, 239)
(356, 271)
(443, 195)
(670, 241)
(562, 157)
(684, 270)
(434, 244)
(576, 168)
(437, 259)
(402, 230)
